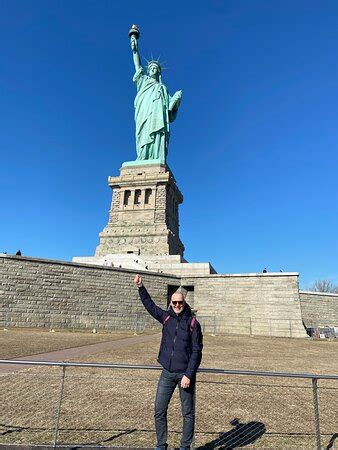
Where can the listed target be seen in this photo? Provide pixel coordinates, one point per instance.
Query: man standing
(180, 356)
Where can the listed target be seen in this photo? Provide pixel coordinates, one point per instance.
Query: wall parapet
(328, 294)
(246, 275)
(319, 309)
(84, 265)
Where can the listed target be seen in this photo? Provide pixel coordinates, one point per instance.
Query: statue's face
(154, 71)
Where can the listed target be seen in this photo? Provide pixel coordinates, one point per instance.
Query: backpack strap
(166, 319)
(192, 324)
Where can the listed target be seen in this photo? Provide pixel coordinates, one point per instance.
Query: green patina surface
(142, 162)
(155, 109)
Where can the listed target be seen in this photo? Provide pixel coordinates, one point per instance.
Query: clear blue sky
(253, 149)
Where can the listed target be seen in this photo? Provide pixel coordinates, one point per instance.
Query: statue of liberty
(154, 107)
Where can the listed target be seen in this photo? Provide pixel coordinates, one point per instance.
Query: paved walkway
(77, 352)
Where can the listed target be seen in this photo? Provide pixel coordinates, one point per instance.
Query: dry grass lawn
(115, 407)
(20, 342)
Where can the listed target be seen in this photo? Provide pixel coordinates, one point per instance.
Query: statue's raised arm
(154, 107)
(134, 35)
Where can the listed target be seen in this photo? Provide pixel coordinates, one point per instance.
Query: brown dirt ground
(115, 407)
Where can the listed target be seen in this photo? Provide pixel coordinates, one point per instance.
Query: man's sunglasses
(177, 302)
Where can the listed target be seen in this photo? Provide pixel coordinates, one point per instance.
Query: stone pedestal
(143, 218)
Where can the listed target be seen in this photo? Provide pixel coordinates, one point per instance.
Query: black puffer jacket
(181, 349)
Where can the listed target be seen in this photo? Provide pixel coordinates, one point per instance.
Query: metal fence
(60, 403)
(215, 324)
(250, 326)
(107, 320)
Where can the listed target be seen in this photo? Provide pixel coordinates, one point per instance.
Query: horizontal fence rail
(149, 367)
(211, 392)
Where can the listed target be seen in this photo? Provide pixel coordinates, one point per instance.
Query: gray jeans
(165, 389)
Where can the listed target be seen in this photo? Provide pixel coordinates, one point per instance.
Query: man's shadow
(240, 435)
(331, 443)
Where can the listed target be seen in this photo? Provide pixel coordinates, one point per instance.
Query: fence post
(316, 411)
(135, 318)
(59, 407)
(193, 444)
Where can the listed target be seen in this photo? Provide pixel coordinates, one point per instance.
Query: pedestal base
(144, 212)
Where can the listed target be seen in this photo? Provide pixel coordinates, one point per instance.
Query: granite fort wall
(254, 304)
(54, 294)
(319, 309)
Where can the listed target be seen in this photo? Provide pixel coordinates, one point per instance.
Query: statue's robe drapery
(154, 110)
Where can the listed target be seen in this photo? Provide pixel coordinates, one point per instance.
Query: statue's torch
(134, 33)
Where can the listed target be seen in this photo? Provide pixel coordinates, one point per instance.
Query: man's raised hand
(138, 280)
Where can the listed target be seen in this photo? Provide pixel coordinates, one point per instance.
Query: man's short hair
(178, 293)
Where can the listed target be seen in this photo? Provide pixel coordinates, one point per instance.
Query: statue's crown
(154, 61)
